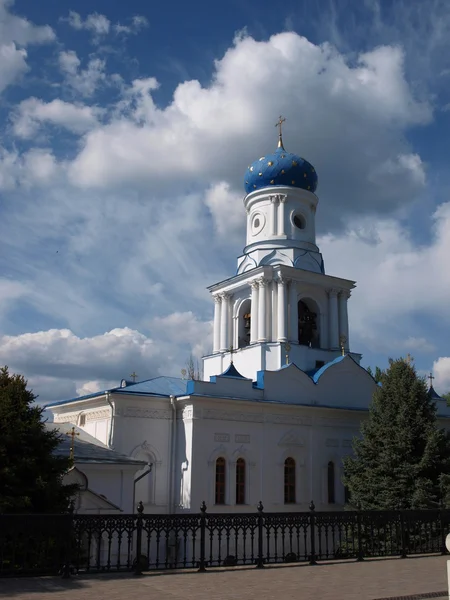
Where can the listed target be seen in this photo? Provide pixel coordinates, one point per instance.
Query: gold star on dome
(251, 168)
(294, 163)
(270, 163)
(260, 174)
(283, 171)
(293, 182)
(304, 175)
(262, 158)
(272, 181)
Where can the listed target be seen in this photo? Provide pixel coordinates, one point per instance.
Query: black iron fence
(67, 544)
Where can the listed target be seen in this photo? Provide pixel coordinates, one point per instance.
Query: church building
(282, 394)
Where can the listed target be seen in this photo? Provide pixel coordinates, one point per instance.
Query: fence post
(68, 548)
(202, 566)
(402, 533)
(360, 556)
(260, 561)
(139, 526)
(441, 519)
(312, 521)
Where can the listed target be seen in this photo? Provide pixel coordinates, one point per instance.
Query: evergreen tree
(377, 375)
(30, 474)
(402, 459)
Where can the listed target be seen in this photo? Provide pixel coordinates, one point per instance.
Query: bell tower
(280, 306)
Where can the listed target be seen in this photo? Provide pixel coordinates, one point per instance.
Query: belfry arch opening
(244, 324)
(308, 323)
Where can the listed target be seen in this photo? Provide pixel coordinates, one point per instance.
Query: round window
(299, 221)
(258, 223)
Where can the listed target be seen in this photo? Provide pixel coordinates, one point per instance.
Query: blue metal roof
(87, 449)
(163, 386)
(159, 386)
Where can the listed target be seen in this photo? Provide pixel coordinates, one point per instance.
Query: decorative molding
(66, 418)
(332, 293)
(221, 437)
(232, 415)
(188, 412)
(147, 413)
(241, 438)
(291, 438)
(254, 284)
(287, 419)
(345, 294)
(217, 298)
(96, 415)
(281, 198)
(332, 443)
(226, 296)
(263, 282)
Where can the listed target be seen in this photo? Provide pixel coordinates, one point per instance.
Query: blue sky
(125, 132)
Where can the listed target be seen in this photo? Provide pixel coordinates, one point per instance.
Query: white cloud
(20, 30)
(36, 167)
(398, 282)
(352, 125)
(15, 34)
(12, 64)
(226, 208)
(32, 113)
(441, 371)
(82, 81)
(138, 22)
(95, 23)
(75, 365)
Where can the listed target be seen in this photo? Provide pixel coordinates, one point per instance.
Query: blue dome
(280, 168)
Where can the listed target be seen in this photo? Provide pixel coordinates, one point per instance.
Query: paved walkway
(408, 579)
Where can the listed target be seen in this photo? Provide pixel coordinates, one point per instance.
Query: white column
(217, 310)
(293, 313)
(333, 320)
(282, 201)
(262, 317)
(343, 317)
(254, 313)
(224, 323)
(281, 323)
(273, 214)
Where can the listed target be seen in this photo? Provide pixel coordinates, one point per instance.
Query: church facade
(282, 394)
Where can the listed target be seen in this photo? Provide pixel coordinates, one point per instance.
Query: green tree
(402, 459)
(30, 473)
(377, 375)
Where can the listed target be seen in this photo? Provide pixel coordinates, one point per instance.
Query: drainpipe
(111, 427)
(173, 445)
(149, 470)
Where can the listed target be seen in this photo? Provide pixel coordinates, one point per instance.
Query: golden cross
(231, 350)
(431, 377)
(278, 124)
(72, 433)
(287, 347)
(133, 376)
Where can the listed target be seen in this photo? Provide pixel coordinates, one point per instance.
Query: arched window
(331, 497)
(244, 324)
(289, 481)
(308, 334)
(220, 480)
(240, 481)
